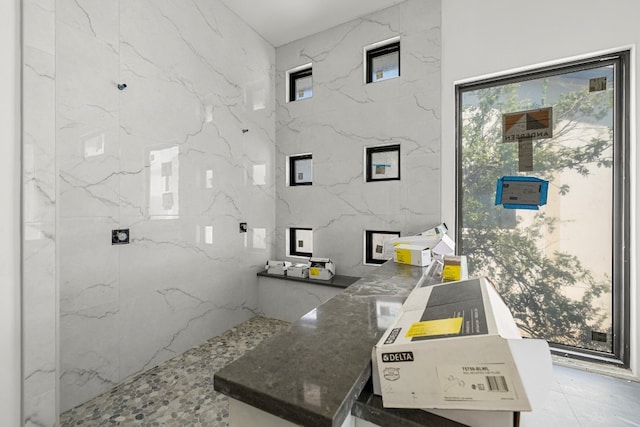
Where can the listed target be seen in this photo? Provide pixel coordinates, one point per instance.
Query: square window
(383, 163)
(300, 242)
(300, 84)
(383, 62)
(374, 245)
(300, 170)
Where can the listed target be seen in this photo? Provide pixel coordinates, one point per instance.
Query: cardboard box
(456, 346)
(412, 254)
(454, 268)
(445, 246)
(321, 268)
(298, 270)
(434, 238)
(277, 267)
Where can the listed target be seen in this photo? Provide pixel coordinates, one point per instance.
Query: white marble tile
(39, 25)
(40, 408)
(39, 325)
(39, 136)
(89, 353)
(345, 116)
(167, 158)
(39, 213)
(87, 102)
(88, 263)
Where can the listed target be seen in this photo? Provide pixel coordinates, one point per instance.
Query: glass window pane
(303, 88)
(303, 171)
(553, 266)
(385, 67)
(303, 240)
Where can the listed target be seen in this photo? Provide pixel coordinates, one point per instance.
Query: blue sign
(521, 192)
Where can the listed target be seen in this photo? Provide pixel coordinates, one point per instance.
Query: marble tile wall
(344, 116)
(179, 157)
(39, 210)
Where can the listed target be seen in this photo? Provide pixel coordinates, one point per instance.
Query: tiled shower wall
(344, 116)
(39, 213)
(179, 157)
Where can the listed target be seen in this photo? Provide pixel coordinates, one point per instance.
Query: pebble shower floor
(178, 392)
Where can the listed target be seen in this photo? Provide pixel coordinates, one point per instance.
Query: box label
(463, 300)
(438, 327)
(403, 256)
(476, 382)
(450, 273)
(314, 271)
(398, 356)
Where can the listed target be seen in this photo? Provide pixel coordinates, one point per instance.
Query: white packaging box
(446, 246)
(298, 270)
(456, 346)
(434, 238)
(412, 254)
(321, 268)
(277, 267)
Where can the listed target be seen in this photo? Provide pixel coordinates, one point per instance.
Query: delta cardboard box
(412, 254)
(434, 239)
(321, 268)
(456, 346)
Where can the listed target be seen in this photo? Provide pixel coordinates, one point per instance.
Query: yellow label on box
(403, 256)
(450, 273)
(314, 271)
(431, 328)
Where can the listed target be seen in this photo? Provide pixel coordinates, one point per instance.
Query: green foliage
(498, 244)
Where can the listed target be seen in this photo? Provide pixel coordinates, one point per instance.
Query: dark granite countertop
(369, 407)
(313, 373)
(337, 281)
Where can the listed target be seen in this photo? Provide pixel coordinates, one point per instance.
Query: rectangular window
(374, 245)
(300, 242)
(383, 62)
(383, 163)
(300, 170)
(300, 84)
(563, 267)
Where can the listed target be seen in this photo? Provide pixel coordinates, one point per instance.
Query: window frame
(369, 151)
(621, 224)
(294, 76)
(368, 248)
(293, 252)
(292, 170)
(378, 51)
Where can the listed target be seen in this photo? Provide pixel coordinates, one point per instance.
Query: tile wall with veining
(179, 157)
(345, 116)
(39, 213)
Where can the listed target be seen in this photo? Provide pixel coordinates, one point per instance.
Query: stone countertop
(313, 373)
(369, 407)
(337, 281)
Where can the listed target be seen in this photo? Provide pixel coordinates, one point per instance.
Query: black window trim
(292, 170)
(368, 249)
(621, 224)
(381, 149)
(293, 77)
(381, 51)
(293, 241)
